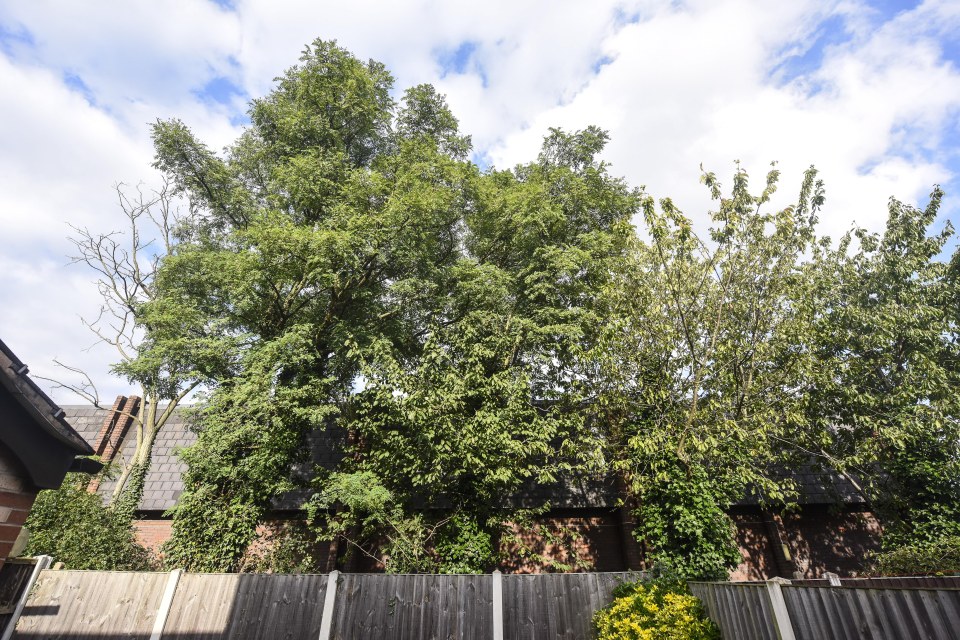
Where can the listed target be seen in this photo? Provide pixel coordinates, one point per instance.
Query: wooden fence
(16, 577)
(153, 606)
(779, 610)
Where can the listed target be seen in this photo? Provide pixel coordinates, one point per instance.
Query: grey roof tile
(164, 479)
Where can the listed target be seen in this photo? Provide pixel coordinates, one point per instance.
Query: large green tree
(488, 400)
(476, 331)
(885, 402)
(325, 228)
(703, 366)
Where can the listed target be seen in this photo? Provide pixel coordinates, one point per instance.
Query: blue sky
(868, 91)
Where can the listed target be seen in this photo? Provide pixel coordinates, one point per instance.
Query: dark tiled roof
(163, 483)
(164, 479)
(815, 485)
(85, 420)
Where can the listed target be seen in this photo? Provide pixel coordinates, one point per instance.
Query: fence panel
(404, 607)
(556, 605)
(113, 605)
(856, 613)
(79, 605)
(14, 575)
(741, 611)
(246, 606)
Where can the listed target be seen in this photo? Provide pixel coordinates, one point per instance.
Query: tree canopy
(474, 331)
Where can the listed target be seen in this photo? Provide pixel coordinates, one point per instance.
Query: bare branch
(86, 389)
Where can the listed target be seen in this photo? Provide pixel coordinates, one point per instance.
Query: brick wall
(753, 538)
(587, 543)
(818, 538)
(823, 539)
(16, 497)
(152, 533)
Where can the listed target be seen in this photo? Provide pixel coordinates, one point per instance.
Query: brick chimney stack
(115, 426)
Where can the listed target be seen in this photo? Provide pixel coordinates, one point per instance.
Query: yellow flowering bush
(653, 611)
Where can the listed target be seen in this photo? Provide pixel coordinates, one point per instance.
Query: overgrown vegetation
(939, 558)
(74, 527)
(656, 610)
(347, 267)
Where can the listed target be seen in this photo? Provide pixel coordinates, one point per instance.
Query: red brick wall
(16, 497)
(819, 538)
(822, 539)
(595, 542)
(755, 547)
(152, 533)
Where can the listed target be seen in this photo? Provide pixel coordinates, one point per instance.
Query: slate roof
(163, 483)
(164, 479)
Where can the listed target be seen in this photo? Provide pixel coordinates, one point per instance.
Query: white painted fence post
(42, 563)
(497, 605)
(778, 605)
(329, 600)
(163, 611)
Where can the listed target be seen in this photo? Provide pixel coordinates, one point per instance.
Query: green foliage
(323, 227)
(464, 547)
(475, 332)
(939, 558)
(653, 611)
(74, 527)
(287, 547)
(884, 394)
(345, 238)
(683, 521)
(700, 363)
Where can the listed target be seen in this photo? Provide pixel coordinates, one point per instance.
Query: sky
(867, 91)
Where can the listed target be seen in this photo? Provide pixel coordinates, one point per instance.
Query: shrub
(654, 611)
(681, 520)
(285, 547)
(74, 527)
(927, 559)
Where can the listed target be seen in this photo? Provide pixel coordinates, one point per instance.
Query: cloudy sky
(867, 90)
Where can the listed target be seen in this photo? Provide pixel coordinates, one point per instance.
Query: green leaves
(76, 528)
(702, 365)
(889, 375)
(477, 332)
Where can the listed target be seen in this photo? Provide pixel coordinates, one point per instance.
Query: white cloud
(692, 84)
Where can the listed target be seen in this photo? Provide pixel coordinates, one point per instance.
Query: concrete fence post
(778, 605)
(163, 611)
(42, 563)
(833, 578)
(329, 601)
(497, 605)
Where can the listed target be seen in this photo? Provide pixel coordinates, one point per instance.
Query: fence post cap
(778, 580)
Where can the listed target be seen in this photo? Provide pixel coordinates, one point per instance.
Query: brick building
(832, 530)
(37, 448)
